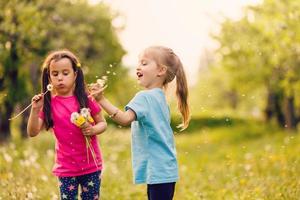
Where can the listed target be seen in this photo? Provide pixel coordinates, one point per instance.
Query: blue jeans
(90, 186)
(162, 191)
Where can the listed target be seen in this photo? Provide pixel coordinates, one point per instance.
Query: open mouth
(139, 74)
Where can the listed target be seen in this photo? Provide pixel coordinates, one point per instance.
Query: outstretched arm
(122, 118)
(35, 124)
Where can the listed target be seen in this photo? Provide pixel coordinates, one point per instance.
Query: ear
(162, 70)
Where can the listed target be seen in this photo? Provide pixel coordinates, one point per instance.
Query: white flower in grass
(74, 116)
(50, 87)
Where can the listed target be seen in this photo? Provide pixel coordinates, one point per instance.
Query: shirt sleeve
(94, 106)
(139, 105)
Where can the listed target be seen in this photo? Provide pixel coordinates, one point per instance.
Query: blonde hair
(164, 56)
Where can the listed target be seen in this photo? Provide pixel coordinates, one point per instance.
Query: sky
(183, 25)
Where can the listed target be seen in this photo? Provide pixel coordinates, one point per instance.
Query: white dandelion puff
(85, 112)
(49, 89)
(74, 116)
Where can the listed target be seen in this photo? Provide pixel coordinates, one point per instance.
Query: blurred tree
(29, 29)
(262, 50)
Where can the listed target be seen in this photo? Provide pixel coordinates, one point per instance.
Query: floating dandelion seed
(49, 89)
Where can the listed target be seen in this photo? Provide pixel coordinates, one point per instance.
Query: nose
(59, 77)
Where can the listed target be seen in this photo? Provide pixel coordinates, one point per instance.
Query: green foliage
(30, 29)
(260, 55)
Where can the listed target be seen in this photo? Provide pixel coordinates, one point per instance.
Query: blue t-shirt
(153, 150)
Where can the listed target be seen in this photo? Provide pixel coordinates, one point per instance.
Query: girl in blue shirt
(153, 150)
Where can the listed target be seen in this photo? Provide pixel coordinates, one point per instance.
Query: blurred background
(242, 61)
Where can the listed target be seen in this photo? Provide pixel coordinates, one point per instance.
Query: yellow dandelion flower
(79, 121)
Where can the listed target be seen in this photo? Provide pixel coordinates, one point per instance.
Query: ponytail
(47, 99)
(166, 57)
(182, 96)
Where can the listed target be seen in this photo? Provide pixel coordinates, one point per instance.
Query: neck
(154, 86)
(66, 94)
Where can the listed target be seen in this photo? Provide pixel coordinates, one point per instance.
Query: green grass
(229, 160)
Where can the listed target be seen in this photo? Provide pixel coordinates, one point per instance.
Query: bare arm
(122, 118)
(98, 128)
(35, 124)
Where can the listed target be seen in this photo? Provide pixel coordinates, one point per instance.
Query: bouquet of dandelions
(79, 119)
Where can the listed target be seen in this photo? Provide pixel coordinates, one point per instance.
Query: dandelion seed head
(101, 82)
(50, 87)
(7, 158)
(74, 116)
(85, 112)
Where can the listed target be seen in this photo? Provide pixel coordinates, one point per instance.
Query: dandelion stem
(25, 108)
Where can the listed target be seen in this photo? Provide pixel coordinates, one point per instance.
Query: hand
(37, 101)
(87, 129)
(97, 91)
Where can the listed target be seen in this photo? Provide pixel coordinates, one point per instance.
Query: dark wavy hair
(80, 88)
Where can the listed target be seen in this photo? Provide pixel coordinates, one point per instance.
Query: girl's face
(62, 77)
(149, 74)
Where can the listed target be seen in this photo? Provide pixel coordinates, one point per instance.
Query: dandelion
(79, 119)
(85, 112)
(49, 89)
(8, 158)
(101, 82)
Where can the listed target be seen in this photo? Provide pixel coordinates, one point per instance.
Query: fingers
(36, 98)
(87, 131)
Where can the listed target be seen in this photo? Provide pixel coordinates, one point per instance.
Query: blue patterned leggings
(90, 186)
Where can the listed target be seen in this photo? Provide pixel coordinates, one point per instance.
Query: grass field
(220, 159)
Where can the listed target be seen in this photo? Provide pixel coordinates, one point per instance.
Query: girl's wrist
(35, 109)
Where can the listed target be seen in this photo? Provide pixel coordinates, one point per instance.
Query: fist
(37, 101)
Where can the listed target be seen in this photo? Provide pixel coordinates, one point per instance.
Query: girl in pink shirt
(76, 162)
